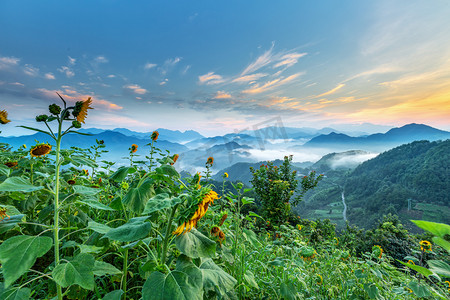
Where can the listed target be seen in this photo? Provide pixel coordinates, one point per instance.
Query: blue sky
(222, 66)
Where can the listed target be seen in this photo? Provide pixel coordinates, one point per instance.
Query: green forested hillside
(418, 171)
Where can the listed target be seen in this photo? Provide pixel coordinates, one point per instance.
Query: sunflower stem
(56, 214)
(167, 235)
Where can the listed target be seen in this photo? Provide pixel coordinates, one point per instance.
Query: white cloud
(66, 70)
(49, 76)
(111, 76)
(169, 64)
(72, 61)
(17, 84)
(148, 66)
(31, 71)
(101, 59)
(136, 89)
(7, 62)
(164, 81)
(210, 78)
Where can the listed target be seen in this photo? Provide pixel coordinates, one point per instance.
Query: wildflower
(225, 175)
(80, 110)
(175, 158)
(4, 117)
(221, 237)
(154, 135)
(337, 241)
(210, 160)
(425, 246)
(124, 185)
(40, 150)
(202, 208)
(377, 251)
(224, 217)
(3, 213)
(299, 227)
(319, 279)
(133, 148)
(11, 164)
(307, 253)
(215, 231)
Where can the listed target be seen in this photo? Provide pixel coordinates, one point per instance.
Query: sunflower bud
(54, 109)
(41, 118)
(76, 124)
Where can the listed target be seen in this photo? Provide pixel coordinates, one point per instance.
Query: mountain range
(250, 146)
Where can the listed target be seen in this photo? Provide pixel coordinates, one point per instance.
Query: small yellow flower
(409, 290)
(299, 227)
(154, 135)
(86, 172)
(40, 150)
(425, 246)
(411, 262)
(225, 175)
(319, 279)
(4, 117)
(3, 213)
(377, 250)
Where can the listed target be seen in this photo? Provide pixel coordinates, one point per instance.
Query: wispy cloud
(269, 85)
(288, 60)
(101, 59)
(149, 66)
(210, 78)
(222, 95)
(169, 64)
(72, 61)
(67, 71)
(332, 91)
(30, 70)
(135, 89)
(249, 78)
(261, 61)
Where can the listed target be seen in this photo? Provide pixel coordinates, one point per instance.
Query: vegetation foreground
(71, 228)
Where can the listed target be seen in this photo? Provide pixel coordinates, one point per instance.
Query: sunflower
(40, 150)
(319, 279)
(221, 237)
(202, 208)
(3, 213)
(71, 181)
(307, 253)
(377, 251)
(210, 160)
(4, 117)
(299, 227)
(225, 175)
(411, 262)
(133, 148)
(215, 231)
(85, 172)
(11, 164)
(425, 246)
(174, 159)
(80, 110)
(154, 135)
